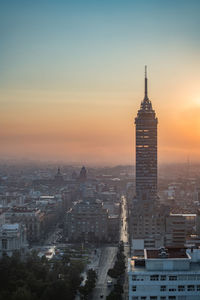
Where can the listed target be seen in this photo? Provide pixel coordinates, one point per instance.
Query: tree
(89, 284)
(22, 294)
(114, 296)
(112, 273)
(36, 279)
(118, 288)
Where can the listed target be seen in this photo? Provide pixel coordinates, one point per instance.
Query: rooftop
(166, 253)
(182, 215)
(10, 226)
(141, 268)
(24, 209)
(169, 259)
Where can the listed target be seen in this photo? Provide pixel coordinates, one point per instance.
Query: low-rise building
(32, 218)
(13, 238)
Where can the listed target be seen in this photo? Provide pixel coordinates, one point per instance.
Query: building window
(162, 298)
(134, 298)
(172, 290)
(4, 244)
(134, 288)
(191, 288)
(198, 287)
(163, 288)
(154, 277)
(134, 277)
(182, 277)
(153, 297)
(172, 297)
(143, 298)
(181, 288)
(163, 277)
(172, 277)
(191, 277)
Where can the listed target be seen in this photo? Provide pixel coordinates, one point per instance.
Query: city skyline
(72, 77)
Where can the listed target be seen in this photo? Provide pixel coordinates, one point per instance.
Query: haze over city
(72, 78)
(99, 152)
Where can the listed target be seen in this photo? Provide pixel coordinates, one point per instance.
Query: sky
(72, 78)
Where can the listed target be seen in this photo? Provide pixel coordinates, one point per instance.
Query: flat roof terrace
(166, 253)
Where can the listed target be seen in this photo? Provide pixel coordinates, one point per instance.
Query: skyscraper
(147, 226)
(146, 151)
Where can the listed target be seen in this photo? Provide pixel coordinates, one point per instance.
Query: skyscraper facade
(147, 223)
(146, 151)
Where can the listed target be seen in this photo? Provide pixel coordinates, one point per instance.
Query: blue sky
(95, 40)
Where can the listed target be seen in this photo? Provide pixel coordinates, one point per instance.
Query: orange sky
(72, 78)
(98, 127)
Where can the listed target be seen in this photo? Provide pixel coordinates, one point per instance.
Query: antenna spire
(145, 84)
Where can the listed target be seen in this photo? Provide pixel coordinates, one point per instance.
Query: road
(52, 236)
(124, 236)
(108, 256)
(124, 223)
(106, 262)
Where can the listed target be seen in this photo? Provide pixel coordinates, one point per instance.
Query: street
(124, 223)
(107, 258)
(106, 262)
(124, 236)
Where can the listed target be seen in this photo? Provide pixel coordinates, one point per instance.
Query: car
(109, 283)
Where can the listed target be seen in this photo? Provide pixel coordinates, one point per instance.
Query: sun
(197, 101)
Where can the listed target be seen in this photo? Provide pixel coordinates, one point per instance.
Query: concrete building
(149, 226)
(146, 151)
(147, 217)
(59, 177)
(198, 223)
(83, 174)
(2, 217)
(178, 228)
(32, 218)
(13, 238)
(113, 228)
(197, 194)
(165, 274)
(87, 221)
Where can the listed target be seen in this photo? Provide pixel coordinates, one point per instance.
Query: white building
(165, 274)
(12, 238)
